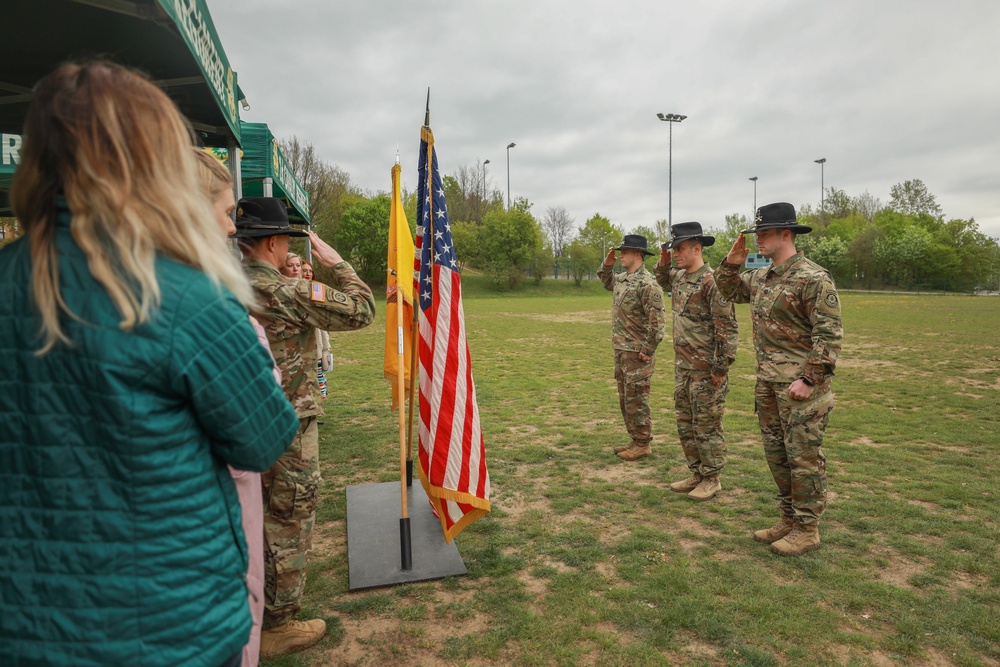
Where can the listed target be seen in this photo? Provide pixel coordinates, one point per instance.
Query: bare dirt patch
(868, 442)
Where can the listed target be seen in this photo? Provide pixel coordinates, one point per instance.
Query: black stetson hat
(777, 216)
(634, 242)
(260, 217)
(685, 231)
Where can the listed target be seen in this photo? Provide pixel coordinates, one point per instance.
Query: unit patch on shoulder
(722, 301)
(831, 299)
(340, 297)
(317, 292)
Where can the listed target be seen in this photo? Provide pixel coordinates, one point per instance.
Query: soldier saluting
(797, 332)
(637, 327)
(290, 311)
(705, 337)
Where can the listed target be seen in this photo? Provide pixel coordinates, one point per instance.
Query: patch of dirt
(868, 442)
(969, 394)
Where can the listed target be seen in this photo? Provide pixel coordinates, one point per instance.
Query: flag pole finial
(397, 154)
(427, 113)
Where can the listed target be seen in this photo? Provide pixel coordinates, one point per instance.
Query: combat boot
(621, 448)
(687, 485)
(708, 487)
(775, 532)
(635, 452)
(292, 637)
(804, 537)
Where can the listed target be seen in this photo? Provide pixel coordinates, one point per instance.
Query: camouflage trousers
(699, 404)
(290, 489)
(632, 375)
(793, 437)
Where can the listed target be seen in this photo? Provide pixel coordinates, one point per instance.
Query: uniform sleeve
(732, 284)
(724, 329)
(218, 362)
(652, 301)
(827, 330)
(607, 276)
(664, 276)
(349, 305)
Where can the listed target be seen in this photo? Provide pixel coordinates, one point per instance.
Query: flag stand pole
(413, 393)
(405, 546)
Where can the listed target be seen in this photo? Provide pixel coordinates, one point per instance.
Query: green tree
(583, 259)
(363, 237)
(862, 253)
(831, 253)
(599, 234)
(541, 261)
(913, 198)
(507, 242)
(465, 236)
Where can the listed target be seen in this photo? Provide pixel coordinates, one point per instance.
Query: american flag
(452, 455)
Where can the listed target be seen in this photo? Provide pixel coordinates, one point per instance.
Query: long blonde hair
(119, 151)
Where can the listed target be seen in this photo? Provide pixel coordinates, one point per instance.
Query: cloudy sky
(886, 91)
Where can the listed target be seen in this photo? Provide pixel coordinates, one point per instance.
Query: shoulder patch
(722, 301)
(657, 295)
(340, 297)
(317, 292)
(831, 299)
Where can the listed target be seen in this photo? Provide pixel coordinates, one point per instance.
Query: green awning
(173, 41)
(262, 158)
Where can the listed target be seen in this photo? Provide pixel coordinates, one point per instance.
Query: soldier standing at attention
(290, 310)
(797, 333)
(637, 327)
(704, 347)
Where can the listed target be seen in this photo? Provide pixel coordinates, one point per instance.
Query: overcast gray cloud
(886, 91)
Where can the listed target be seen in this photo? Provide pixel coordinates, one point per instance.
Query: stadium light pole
(485, 162)
(670, 118)
(754, 179)
(509, 146)
(822, 206)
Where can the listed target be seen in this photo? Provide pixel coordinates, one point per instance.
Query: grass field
(588, 560)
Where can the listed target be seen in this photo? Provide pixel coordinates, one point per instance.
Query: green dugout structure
(173, 41)
(266, 172)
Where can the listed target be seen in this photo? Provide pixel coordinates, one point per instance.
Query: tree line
(905, 243)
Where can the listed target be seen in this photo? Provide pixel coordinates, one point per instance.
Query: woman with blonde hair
(293, 266)
(121, 525)
(218, 185)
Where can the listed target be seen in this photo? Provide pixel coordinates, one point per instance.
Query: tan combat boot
(621, 448)
(687, 485)
(804, 537)
(708, 487)
(292, 637)
(775, 532)
(636, 452)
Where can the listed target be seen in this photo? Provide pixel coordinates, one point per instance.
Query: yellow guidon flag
(399, 284)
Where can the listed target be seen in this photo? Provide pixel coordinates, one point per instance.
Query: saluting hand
(739, 252)
(664, 257)
(323, 251)
(611, 258)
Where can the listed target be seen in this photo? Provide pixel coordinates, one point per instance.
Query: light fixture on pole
(822, 207)
(754, 179)
(509, 146)
(670, 118)
(485, 162)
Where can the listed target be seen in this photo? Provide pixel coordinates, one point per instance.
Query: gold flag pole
(405, 547)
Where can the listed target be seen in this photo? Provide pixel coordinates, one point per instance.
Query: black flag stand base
(409, 473)
(374, 530)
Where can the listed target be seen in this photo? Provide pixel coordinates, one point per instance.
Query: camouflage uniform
(705, 336)
(290, 310)
(637, 326)
(797, 333)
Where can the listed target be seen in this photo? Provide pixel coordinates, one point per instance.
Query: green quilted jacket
(120, 536)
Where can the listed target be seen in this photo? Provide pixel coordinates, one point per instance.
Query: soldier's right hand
(611, 258)
(323, 251)
(664, 257)
(739, 252)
